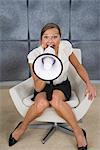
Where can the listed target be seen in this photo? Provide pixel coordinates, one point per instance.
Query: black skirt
(65, 87)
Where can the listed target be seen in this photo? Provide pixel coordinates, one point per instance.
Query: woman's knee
(41, 105)
(55, 102)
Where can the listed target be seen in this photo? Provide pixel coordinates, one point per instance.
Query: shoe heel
(13, 141)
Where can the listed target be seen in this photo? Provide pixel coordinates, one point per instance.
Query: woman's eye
(45, 37)
(51, 37)
(55, 37)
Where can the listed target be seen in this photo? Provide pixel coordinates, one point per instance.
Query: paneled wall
(85, 33)
(22, 20)
(13, 40)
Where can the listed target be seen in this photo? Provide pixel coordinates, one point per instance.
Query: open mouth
(53, 46)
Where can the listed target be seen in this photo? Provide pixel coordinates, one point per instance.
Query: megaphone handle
(49, 95)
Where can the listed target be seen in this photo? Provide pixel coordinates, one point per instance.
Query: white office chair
(22, 93)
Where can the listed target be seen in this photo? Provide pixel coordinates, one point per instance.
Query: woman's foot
(81, 139)
(16, 134)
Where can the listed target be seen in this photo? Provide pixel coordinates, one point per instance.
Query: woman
(51, 36)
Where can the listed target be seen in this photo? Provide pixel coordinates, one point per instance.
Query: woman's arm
(90, 90)
(38, 84)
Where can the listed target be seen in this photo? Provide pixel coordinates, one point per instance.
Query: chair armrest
(24, 89)
(81, 110)
(21, 91)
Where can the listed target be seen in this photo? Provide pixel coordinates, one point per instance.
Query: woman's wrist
(88, 82)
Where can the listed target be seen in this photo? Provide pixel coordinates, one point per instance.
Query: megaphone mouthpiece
(49, 50)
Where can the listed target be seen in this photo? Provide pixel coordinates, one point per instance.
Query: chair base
(51, 128)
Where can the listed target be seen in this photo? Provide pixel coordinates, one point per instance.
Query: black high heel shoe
(13, 141)
(83, 147)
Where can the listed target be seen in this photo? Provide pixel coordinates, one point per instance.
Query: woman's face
(51, 37)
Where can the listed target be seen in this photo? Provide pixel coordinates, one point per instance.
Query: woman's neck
(56, 52)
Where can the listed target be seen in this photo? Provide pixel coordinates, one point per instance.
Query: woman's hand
(90, 91)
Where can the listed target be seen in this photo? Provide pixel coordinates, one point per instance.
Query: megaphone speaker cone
(47, 67)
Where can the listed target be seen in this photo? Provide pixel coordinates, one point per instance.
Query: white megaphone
(47, 66)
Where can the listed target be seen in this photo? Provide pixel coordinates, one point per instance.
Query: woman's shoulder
(66, 47)
(64, 43)
(34, 53)
(36, 50)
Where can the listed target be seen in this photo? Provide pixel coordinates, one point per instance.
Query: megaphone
(48, 66)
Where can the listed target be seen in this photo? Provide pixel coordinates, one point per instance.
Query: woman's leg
(36, 109)
(65, 111)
